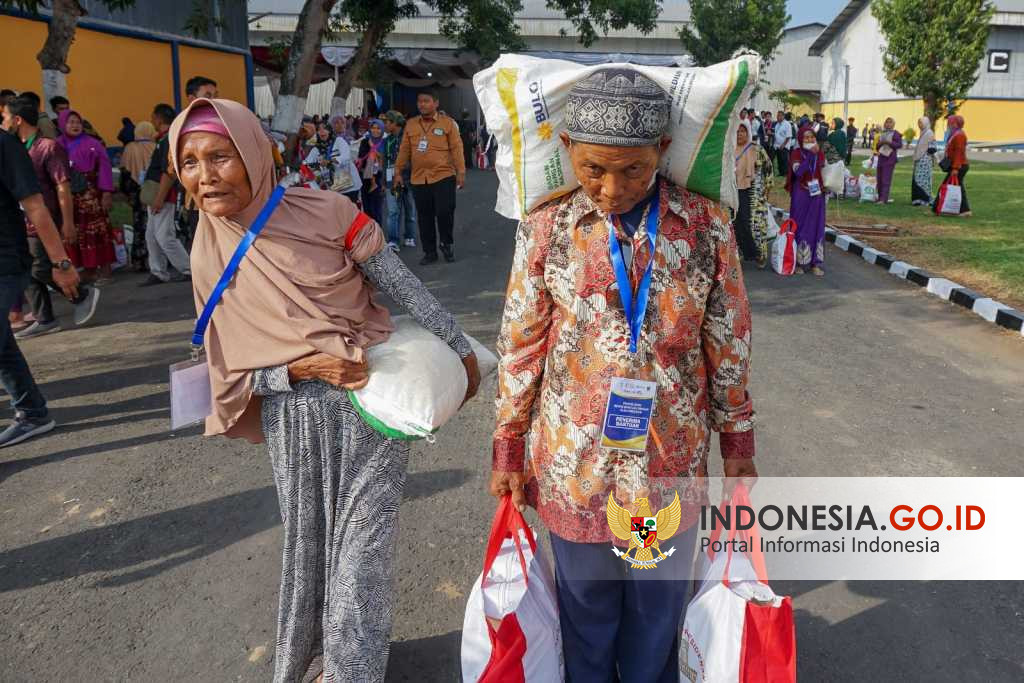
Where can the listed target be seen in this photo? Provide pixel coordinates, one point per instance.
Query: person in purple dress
(889, 141)
(807, 201)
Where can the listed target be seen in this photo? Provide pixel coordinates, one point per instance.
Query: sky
(806, 11)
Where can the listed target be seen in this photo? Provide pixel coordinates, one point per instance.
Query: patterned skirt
(921, 184)
(95, 248)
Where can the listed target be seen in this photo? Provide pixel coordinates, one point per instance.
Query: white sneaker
(410, 242)
(394, 247)
(85, 310)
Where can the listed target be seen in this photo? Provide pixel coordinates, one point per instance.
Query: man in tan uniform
(432, 146)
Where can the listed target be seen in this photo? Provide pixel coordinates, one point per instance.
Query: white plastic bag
(737, 629)
(868, 188)
(772, 226)
(834, 176)
(524, 100)
(417, 383)
(511, 630)
(784, 249)
(950, 197)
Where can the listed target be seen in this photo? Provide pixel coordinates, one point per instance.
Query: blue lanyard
(236, 259)
(635, 314)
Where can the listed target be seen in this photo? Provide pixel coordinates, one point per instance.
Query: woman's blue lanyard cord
(236, 259)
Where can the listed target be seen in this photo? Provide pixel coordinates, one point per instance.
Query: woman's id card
(191, 400)
(627, 420)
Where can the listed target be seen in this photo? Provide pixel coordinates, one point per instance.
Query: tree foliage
(720, 28)
(933, 48)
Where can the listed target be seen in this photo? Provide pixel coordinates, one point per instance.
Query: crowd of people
(800, 150)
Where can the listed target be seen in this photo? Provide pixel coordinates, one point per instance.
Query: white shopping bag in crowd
(784, 249)
(834, 176)
(525, 99)
(868, 188)
(950, 197)
(417, 383)
(771, 225)
(511, 630)
(737, 630)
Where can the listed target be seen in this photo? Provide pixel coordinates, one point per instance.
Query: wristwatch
(63, 265)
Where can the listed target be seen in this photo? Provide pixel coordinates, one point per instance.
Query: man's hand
(157, 205)
(399, 180)
(107, 201)
(342, 373)
(460, 180)
(473, 375)
(505, 483)
(738, 470)
(67, 280)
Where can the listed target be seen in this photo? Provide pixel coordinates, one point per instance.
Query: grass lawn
(984, 252)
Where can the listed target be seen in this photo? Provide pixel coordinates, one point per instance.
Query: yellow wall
(985, 120)
(112, 77)
(228, 70)
(115, 76)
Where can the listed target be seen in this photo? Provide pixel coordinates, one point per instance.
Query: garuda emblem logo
(643, 531)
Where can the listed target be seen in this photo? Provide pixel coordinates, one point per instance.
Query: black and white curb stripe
(986, 307)
(996, 151)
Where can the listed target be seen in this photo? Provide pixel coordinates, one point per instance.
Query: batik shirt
(564, 336)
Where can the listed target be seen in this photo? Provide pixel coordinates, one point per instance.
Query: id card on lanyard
(813, 186)
(627, 419)
(191, 396)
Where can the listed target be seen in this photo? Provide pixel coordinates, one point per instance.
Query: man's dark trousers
(782, 157)
(15, 376)
(621, 624)
(42, 277)
(435, 210)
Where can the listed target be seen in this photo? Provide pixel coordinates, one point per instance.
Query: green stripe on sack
(380, 426)
(706, 174)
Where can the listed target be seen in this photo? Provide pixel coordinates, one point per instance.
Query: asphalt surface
(130, 553)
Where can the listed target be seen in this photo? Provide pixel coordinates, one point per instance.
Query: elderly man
(629, 283)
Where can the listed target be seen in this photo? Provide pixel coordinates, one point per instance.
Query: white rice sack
(417, 383)
(524, 101)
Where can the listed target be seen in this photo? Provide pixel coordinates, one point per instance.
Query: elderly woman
(924, 159)
(955, 161)
(286, 341)
(887, 148)
(746, 162)
(807, 201)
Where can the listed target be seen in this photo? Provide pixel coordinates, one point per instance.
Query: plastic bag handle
(508, 522)
(741, 496)
(788, 226)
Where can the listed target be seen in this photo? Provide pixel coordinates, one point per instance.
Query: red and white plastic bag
(784, 248)
(950, 197)
(737, 630)
(511, 632)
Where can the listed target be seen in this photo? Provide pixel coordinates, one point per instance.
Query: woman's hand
(472, 374)
(345, 374)
(107, 201)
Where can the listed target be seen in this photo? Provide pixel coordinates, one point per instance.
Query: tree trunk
(354, 69)
(298, 72)
(53, 57)
(931, 108)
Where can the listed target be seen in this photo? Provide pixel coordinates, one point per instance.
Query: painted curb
(985, 307)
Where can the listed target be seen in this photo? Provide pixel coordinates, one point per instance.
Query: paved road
(128, 553)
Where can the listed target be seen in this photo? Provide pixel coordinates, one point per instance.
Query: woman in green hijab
(835, 145)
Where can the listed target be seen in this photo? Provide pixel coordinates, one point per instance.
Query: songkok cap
(618, 107)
